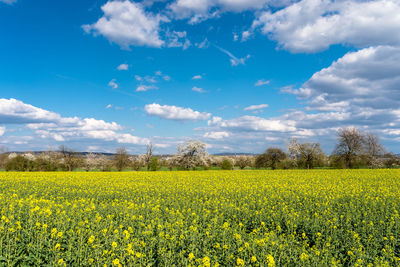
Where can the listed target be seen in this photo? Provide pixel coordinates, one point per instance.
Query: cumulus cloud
(314, 25)
(368, 78)
(359, 89)
(245, 35)
(127, 23)
(255, 107)
(123, 67)
(175, 113)
(13, 111)
(47, 124)
(253, 123)
(2, 130)
(199, 10)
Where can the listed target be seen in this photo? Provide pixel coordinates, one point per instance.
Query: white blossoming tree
(191, 154)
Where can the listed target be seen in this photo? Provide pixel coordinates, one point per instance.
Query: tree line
(354, 149)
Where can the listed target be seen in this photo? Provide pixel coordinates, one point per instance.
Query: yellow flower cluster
(204, 218)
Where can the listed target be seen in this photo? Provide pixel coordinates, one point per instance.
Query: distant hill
(235, 154)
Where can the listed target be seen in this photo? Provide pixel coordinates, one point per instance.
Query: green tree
(226, 164)
(270, 158)
(153, 166)
(19, 163)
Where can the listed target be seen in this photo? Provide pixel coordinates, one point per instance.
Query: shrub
(153, 166)
(226, 164)
(19, 163)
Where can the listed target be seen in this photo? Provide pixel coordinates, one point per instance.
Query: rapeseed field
(203, 218)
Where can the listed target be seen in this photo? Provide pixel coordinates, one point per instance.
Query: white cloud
(314, 25)
(204, 44)
(178, 39)
(9, 2)
(271, 139)
(15, 111)
(2, 130)
(123, 67)
(127, 23)
(252, 123)
(162, 145)
(199, 10)
(261, 82)
(175, 113)
(152, 80)
(198, 89)
(216, 135)
(113, 84)
(255, 107)
(245, 35)
(108, 106)
(234, 60)
(368, 78)
(144, 88)
(46, 124)
(197, 77)
(214, 120)
(163, 76)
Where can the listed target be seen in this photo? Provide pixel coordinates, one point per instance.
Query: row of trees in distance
(354, 149)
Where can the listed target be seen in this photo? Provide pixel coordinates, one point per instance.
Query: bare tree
(69, 158)
(103, 163)
(373, 150)
(372, 146)
(350, 145)
(191, 154)
(307, 155)
(3, 156)
(149, 154)
(243, 162)
(121, 158)
(90, 161)
(138, 162)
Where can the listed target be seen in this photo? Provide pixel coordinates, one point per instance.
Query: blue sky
(239, 75)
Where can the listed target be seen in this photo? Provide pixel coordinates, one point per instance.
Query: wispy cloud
(198, 89)
(144, 88)
(261, 82)
(9, 2)
(255, 107)
(113, 84)
(235, 61)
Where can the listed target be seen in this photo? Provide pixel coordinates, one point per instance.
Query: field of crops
(203, 218)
